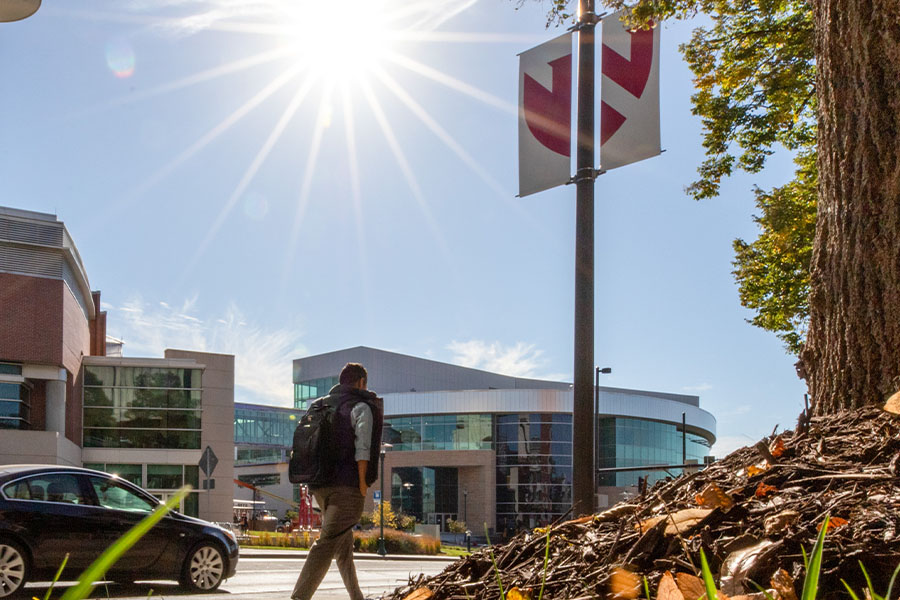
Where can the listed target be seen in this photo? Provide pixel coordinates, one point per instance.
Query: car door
(59, 518)
(123, 507)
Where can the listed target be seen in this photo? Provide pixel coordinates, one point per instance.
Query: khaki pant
(341, 509)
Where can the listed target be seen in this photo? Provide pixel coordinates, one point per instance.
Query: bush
(405, 522)
(390, 519)
(456, 526)
(295, 539)
(395, 542)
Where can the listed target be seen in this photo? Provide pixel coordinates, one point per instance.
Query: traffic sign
(208, 462)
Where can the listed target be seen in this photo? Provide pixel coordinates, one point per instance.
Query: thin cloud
(703, 387)
(263, 358)
(727, 444)
(519, 360)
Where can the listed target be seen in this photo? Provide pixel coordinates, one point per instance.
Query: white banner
(545, 115)
(629, 94)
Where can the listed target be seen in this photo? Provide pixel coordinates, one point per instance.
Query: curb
(294, 554)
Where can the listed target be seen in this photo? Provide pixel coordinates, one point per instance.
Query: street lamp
(16, 10)
(381, 549)
(466, 519)
(597, 371)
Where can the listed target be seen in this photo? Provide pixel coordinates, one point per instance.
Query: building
(64, 401)
(482, 447)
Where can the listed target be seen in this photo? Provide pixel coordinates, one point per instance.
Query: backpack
(313, 459)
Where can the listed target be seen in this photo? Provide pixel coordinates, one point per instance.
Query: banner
(629, 94)
(545, 115)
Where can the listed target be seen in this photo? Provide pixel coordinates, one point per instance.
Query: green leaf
(811, 583)
(56, 577)
(109, 557)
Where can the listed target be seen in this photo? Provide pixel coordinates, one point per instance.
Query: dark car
(48, 511)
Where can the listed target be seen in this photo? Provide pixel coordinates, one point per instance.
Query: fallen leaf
(784, 585)
(422, 593)
(712, 496)
(756, 469)
(775, 524)
(623, 584)
(754, 596)
(691, 586)
(738, 565)
(893, 404)
(667, 589)
(517, 594)
(677, 522)
(833, 523)
(580, 521)
(777, 447)
(764, 489)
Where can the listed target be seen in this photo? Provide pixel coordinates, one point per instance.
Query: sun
(337, 41)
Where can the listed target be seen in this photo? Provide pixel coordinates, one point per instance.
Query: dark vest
(345, 399)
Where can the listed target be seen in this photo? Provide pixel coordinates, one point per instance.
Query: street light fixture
(16, 10)
(381, 548)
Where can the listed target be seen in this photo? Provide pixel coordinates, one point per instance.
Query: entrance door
(440, 519)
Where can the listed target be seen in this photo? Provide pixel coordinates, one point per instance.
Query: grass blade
(647, 588)
(762, 590)
(891, 584)
(872, 593)
(109, 557)
(493, 561)
(56, 577)
(811, 582)
(850, 590)
(546, 558)
(707, 577)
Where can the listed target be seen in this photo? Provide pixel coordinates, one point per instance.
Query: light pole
(466, 519)
(597, 371)
(381, 549)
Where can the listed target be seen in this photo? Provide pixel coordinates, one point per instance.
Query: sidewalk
(288, 553)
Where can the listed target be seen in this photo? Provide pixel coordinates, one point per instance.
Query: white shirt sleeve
(362, 421)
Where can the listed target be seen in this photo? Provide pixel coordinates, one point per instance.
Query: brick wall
(31, 322)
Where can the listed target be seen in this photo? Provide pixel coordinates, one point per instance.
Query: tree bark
(852, 354)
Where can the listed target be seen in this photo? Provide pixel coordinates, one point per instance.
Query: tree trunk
(852, 353)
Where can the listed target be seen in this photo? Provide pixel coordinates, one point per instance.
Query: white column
(56, 406)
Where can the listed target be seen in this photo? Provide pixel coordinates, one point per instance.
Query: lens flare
(120, 57)
(256, 206)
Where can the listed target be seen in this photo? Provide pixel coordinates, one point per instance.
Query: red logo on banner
(548, 113)
(632, 74)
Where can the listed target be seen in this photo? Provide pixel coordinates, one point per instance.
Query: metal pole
(582, 434)
(684, 438)
(596, 423)
(381, 549)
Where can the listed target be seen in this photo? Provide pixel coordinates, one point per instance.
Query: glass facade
(141, 407)
(439, 432)
(628, 442)
(161, 480)
(534, 469)
(15, 403)
(430, 494)
(263, 435)
(312, 389)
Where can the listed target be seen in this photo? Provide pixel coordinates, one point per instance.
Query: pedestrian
(359, 419)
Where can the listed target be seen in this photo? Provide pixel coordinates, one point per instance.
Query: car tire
(204, 568)
(14, 568)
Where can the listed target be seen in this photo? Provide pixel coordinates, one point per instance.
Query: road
(265, 578)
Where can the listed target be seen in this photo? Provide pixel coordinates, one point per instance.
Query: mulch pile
(751, 513)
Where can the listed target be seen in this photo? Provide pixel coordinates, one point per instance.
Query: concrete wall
(38, 447)
(218, 430)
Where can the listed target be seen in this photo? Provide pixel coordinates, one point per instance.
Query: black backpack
(313, 458)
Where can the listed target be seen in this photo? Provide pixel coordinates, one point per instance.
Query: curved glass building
(481, 447)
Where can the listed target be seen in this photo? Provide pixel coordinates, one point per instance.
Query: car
(50, 511)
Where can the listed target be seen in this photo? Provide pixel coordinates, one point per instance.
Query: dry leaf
(893, 404)
(580, 521)
(623, 584)
(422, 593)
(777, 447)
(738, 565)
(775, 524)
(784, 585)
(712, 496)
(833, 523)
(667, 589)
(677, 522)
(691, 586)
(756, 469)
(517, 594)
(764, 489)
(754, 596)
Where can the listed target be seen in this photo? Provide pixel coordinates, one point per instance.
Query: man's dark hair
(352, 373)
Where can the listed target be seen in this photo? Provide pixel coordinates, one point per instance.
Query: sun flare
(338, 45)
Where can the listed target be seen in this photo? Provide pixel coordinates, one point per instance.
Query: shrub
(390, 519)
(406, 522)
(395, 542)
(456, 526)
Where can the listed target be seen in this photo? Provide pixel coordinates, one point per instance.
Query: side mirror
(16, 10)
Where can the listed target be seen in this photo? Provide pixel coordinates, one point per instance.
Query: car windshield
(113, 494)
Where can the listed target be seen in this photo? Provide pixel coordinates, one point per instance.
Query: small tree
(390, 519)
(456, 526)
(406, 522)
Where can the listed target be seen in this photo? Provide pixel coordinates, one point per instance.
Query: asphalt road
(271, 578)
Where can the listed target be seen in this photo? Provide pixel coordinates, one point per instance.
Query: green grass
(454, 550)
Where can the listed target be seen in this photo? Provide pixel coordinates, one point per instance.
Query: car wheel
(204, 568)
(14, 568)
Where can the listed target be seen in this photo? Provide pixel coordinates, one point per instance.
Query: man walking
(358, 421)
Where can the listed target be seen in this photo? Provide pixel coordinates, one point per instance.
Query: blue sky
(238, 179)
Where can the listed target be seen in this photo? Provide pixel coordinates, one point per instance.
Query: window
(52, 487)
(111, 494)
(15, 405)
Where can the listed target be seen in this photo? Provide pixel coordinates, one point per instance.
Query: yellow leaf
(712, 496)
(422, 593)
(691, 586)
(517, 594)
(667, 589)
